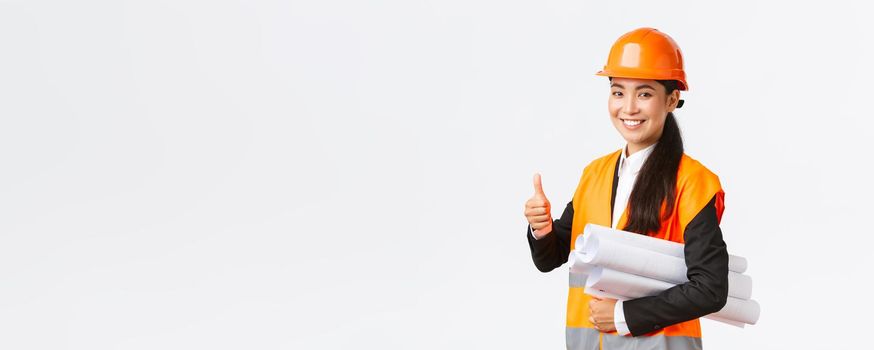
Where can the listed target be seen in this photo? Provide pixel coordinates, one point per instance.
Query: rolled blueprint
(603, 294)
(617, 256)
(578, 265)
(620, 257)
(720, 319)
(714, 317)
(623, 286)
(746, 311)
(740, 286)
(735, 263)
(579, 270)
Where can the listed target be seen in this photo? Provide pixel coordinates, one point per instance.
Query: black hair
(657, 180)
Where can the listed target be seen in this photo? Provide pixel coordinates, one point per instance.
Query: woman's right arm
(552, 250)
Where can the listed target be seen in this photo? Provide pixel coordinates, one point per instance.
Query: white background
(351, 174)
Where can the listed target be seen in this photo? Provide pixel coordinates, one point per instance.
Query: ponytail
(656, 183)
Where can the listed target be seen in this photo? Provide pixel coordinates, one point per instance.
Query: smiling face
(638, 108)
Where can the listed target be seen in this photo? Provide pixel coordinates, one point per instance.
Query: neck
(633, 148)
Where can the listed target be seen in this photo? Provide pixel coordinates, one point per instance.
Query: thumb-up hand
(537, 210)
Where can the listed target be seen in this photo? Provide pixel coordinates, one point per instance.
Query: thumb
(538, 187)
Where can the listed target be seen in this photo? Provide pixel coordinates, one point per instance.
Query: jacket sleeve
(552, 250)
(707, 289)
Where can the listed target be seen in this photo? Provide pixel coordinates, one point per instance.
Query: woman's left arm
(705, 292)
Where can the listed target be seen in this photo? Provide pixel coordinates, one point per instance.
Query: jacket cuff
(542, 242)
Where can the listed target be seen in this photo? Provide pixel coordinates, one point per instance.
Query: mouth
(632, 122)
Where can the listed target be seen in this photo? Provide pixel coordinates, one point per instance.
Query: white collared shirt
(629, 167)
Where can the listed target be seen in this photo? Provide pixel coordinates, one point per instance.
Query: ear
(672, 100)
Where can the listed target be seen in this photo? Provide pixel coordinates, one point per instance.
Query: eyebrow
(639, 87)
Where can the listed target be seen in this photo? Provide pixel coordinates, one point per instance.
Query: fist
(537, 210)
(601, 314)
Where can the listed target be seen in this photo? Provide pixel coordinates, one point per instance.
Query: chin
(631, 138)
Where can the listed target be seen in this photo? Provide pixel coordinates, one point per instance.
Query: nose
(629, 106)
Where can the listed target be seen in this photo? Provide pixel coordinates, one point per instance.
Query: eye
(645, 95)
(617, 93)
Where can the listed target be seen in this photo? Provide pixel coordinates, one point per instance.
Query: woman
(649, 187)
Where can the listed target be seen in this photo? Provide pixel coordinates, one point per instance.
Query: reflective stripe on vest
(695, 187)
(588, 339)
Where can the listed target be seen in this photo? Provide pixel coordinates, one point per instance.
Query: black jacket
(706, 262)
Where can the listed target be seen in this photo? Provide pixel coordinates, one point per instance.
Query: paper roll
(730, 322)
(746, 311)
(735, 263)
(620, 257)
(623, 286)
(579, 266)
(602, 294)
(740, 286)
(616, 256)
(579, 270)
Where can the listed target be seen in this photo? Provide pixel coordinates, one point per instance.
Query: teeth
(631, 122)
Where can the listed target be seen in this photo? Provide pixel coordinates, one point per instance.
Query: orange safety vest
(696, 186)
